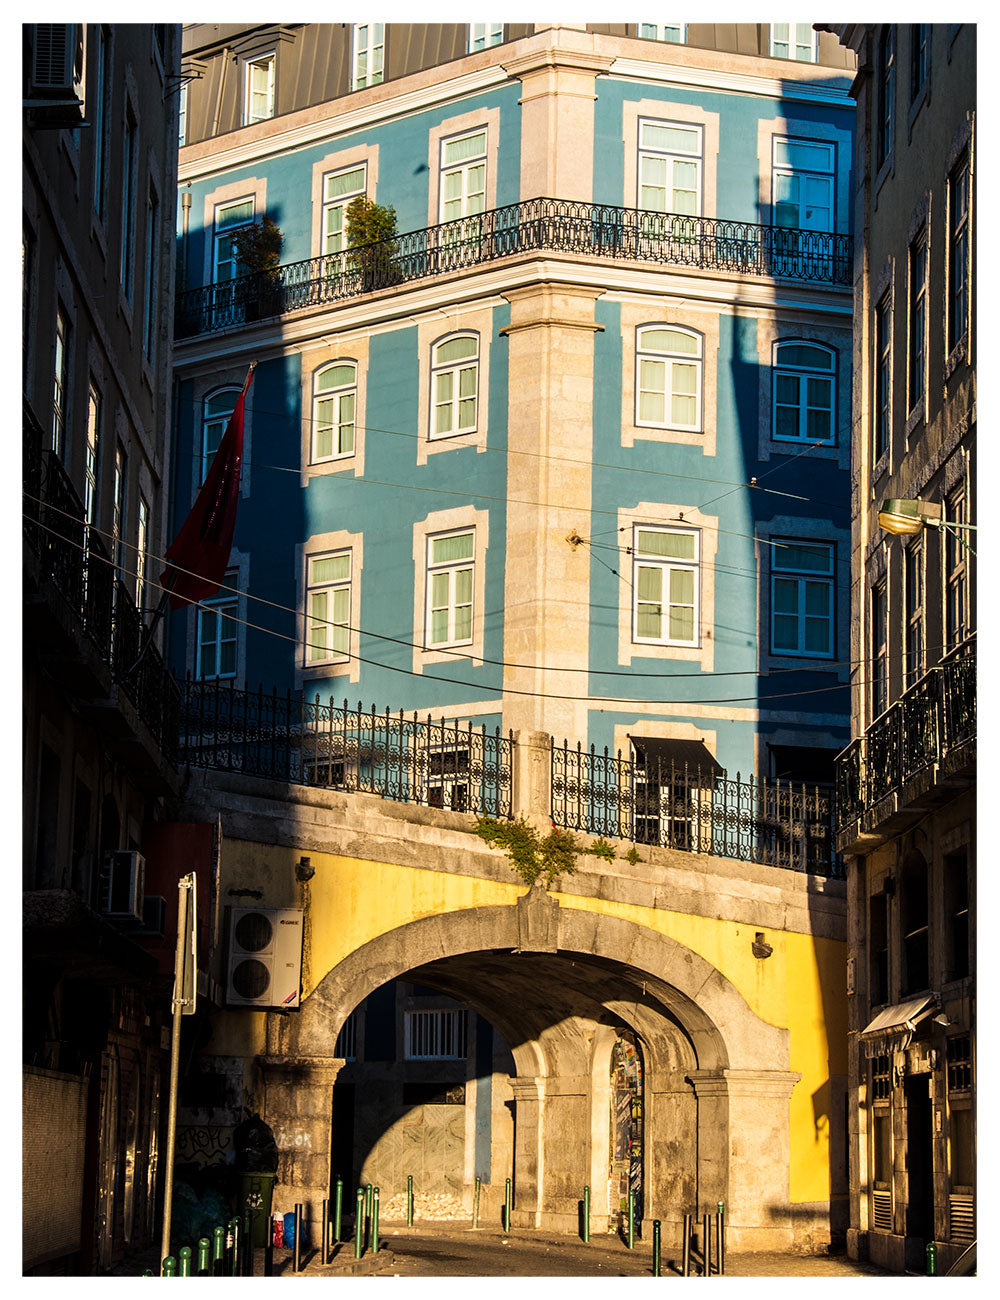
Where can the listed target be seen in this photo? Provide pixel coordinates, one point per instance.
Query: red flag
(202, 548)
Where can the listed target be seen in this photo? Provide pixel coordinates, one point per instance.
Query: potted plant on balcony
(258, 249)
(371, 233)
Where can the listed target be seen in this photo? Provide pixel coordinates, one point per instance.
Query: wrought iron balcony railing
(652, 801)
(290, 738)
(74, 558)
(589, 230)
(930, 720)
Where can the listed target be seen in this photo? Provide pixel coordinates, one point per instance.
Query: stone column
(565, 1129)
(744, 1149)
(671, 1157)
(532, 795)
(529, 1158)
(550, 450)
(298, 1105)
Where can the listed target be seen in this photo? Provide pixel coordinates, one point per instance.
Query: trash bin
(261, 1185)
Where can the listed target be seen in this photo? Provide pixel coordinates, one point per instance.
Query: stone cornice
(703, 78)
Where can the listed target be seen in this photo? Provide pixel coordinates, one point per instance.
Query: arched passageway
(563, 987)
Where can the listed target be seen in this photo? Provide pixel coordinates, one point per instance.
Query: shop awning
(665, 751)
(893, 1028)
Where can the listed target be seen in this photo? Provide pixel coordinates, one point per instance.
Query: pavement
(449, 1250)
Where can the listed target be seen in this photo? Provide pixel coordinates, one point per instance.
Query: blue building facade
(575, 459)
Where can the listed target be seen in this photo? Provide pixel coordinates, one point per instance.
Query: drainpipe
(185, 224)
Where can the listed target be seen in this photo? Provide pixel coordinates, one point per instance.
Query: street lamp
(905, 516)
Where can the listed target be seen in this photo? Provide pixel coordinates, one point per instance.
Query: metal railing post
(204, 1256)
(338, 1206)
(631, 1219)
(585, 1226)
(184, 1262)
(375, 1199)
(656, 1247)
(325, 1238)
(409, 1200)
(507, 1206)
(721, 1222)
(475, 1202)
(218, 1250)
(359, 1223)
(169, 1267)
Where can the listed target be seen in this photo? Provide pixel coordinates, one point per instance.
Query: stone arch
(723, 1030)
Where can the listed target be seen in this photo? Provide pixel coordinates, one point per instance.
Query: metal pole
(338, 1205)
(706, 1245)
(169, 1267)
(204, 1256)
(248, 1225)
(586, 1212)
(269, 1250)
(686, 1248)
(359, 1224)
(656, 1247)
(374, 1220)
(506, 1207)
(475, 1203)
(183, 890)
(631, 1219)
(368, 1212)
(409, 1200)
(184, 1262)
(325, 1239)
(721, 1224)
(297, 1247)
(233, 1245)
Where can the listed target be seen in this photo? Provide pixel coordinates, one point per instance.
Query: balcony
(469, 769)
(80, 616)
(912, 757)
(588, 230)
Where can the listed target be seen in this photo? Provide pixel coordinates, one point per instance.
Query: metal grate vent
(962, 1218)
(882, 1211)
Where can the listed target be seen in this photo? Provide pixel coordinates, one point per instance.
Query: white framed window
(956, 568)
(483, 35)
(666, 565)
(216, 410)
(436, 1035)
(670, 167)
(676, 33)
(913, 586)
(454, 385)
(339, 188)
(793, 41)
(446, 777)
(804, 380)
(335, 393)
(879, 650)
(216, 636)
(450, 588)
(802, 598)
(669, 374)
(258, 89)
(60, 382)
(141, 545)
(328, 608)
(802, 183)
(958, 252)
(229, 217)
(463, 175)
(182, 113)
(91, 461)
(368, 55)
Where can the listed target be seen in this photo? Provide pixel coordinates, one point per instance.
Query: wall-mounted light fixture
(304, 870)
(906, 516)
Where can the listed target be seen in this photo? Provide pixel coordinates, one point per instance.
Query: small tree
(258, 247)
(371, 230)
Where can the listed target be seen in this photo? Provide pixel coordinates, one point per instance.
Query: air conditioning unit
(58, 73)
(120, 885)
(265, 957)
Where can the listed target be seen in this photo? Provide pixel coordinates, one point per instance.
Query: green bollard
(409, 1200)
(586, 1212)
(932, 1259)
(475, 1202)
(204, 1257)
(721, 1210)
(169, 1267)
(184, 1257)
(374, 1220)
(631, 1219)
(338, 1206)
(506, 1206)
(359, 1224)
(147, 1272)
(218, 1250)
(233, 1242)
(656, 1247)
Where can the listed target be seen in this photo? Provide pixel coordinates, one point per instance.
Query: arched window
(668, 389)
(217, 409)
(454, 385)
(804, 375)
(335, 392)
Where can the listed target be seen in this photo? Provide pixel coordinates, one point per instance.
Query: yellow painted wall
(800, 987)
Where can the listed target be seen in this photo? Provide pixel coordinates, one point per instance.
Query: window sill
(881, 466)
(915, 418)
(955, 357)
